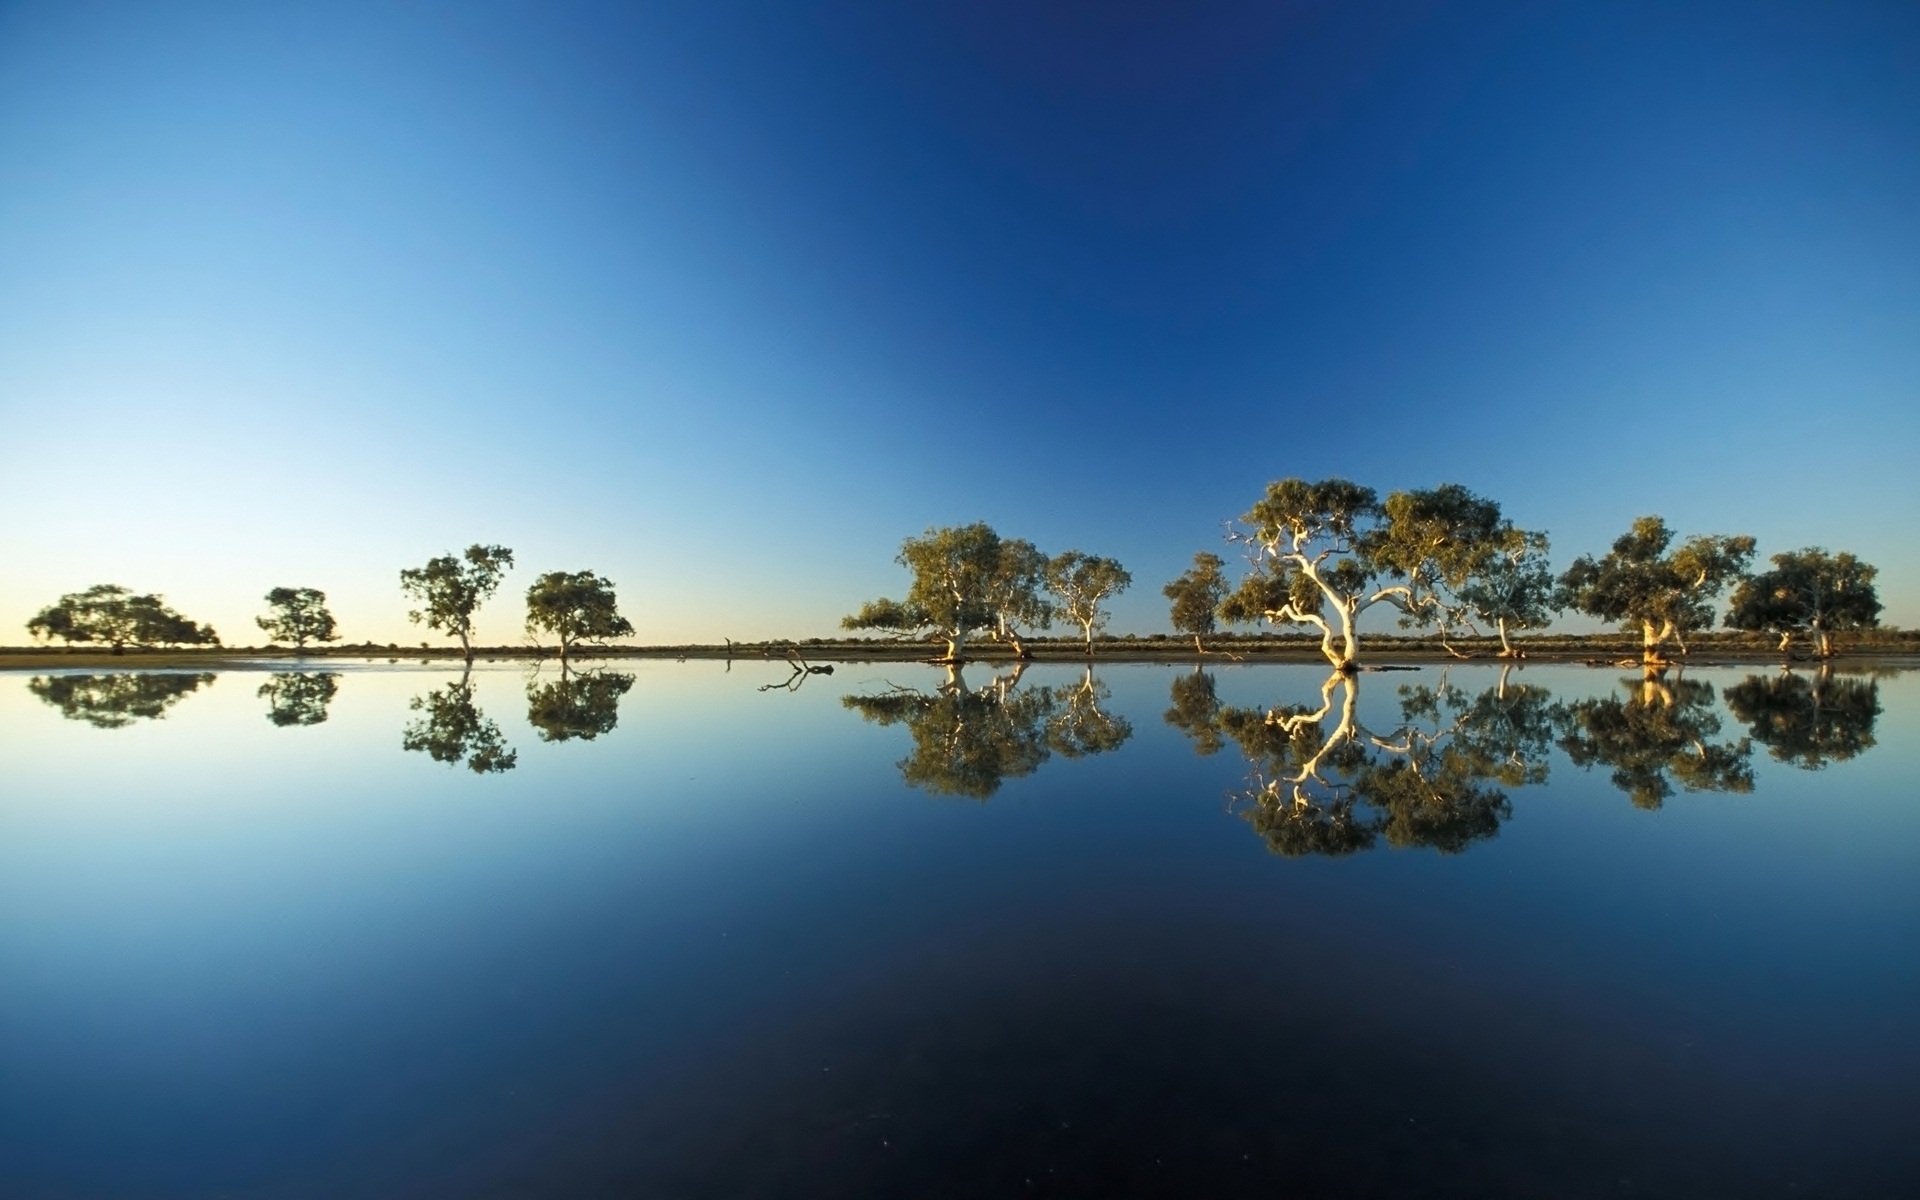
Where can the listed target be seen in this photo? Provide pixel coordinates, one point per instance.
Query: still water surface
(653, 931)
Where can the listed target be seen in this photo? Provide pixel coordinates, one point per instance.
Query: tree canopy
(574, 606)
(967, 580)
(1195, 597)
(1083, 583)
(450, 590)
(298, 615)
(1666, 593)
(1808, 592)
(111, 615)
(1333, 545)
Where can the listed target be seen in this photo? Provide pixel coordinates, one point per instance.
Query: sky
(724, 300)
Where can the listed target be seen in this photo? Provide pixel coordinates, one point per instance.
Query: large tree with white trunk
(1333, 548)
(1083, 583)
(1645, 582)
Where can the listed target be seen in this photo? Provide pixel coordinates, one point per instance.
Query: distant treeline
(1317, 555)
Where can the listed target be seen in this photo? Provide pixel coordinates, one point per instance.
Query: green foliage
(577, 706)
(1512, 587)
(1196, 595)
(113, 616)
(1667, 594)
(116, 701)
(967, 579)
(299, 698)
(1083, 583)
(573, 606)
(1808, 723)
(450, 590)
(1808, 591)
(1664, 733)
(298, 615)
(453, 730)
(1081, 726)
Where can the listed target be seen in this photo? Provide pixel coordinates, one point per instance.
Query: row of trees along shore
(1318, 556)
(572, 607)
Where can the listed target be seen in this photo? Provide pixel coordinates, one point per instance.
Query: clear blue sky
(724, 300)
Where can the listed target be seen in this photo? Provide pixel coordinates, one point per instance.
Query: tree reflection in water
(968, 742)
(116, 701)
(453, 730)
(1665, 732)
(577, 706)
(1321, 782)
(299, 698)
(1808, 722)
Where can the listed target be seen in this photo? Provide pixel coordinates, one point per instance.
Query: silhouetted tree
(453, 730)
(116, 701)
(1083, 583)
(450, 590)
(299, 698)
(1664, 733)
(1808, 723)
(114, 616)
(298, 615)
(577, 706)
(1667, 595)
(1195, 597)
(1808, 591)
(574, 606)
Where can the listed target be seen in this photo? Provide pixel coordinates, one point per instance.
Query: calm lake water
(652, 931)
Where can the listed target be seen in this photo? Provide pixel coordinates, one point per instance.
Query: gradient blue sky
(724, 300)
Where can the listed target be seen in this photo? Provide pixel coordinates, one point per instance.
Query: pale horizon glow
(722, 303)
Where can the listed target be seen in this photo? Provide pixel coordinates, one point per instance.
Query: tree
(453, 730)
(1083, 583)
(113, 615)
(116, 701)
(1640, 583)
(299, 615)
(1513, 587)
(1808, 591)
(1196, 597)
(963, 583)
(449, 590)
(299, 698)
(578, 706)
(572, 606)
(1014, 596)
(1331, 544)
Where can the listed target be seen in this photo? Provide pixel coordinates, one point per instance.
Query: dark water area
(655, 931)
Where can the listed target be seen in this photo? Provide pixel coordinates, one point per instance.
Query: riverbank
(1899, 649)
